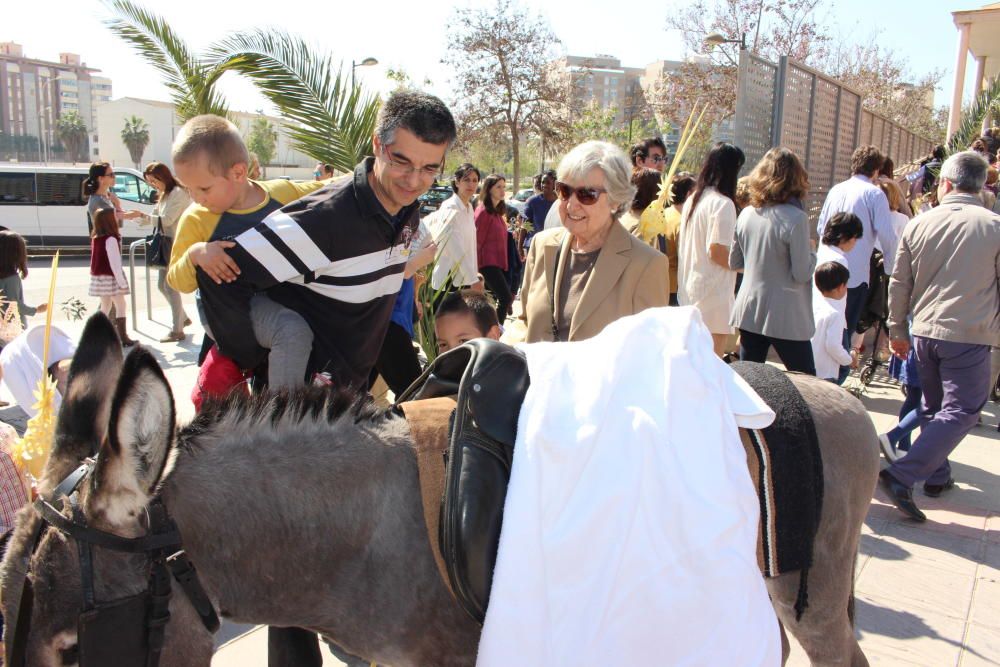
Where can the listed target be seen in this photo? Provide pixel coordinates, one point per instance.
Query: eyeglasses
(657, 159)
(585, 196)
(317, 174)
(405, 169)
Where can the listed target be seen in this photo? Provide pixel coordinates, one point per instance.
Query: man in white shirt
(453, 228)
(861, 196)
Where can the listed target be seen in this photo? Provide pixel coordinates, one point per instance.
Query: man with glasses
(337, 256)
(649, 153)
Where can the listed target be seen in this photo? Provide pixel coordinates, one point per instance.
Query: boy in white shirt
(827, 343)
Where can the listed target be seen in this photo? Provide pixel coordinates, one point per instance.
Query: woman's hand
(214, 260)
(41, 309)
(131, 215)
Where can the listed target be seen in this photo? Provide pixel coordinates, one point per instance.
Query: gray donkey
(305, 511)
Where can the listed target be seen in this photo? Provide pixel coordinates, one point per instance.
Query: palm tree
(192, 82)
(72, 132)
(262, 141)
(325, 117)
(135, 136)
(970, 125)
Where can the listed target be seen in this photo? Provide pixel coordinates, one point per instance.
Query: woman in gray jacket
(771, 246)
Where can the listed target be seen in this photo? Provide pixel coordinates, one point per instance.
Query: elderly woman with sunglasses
(589, 272)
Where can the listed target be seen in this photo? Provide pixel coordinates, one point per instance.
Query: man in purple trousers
(947, 276)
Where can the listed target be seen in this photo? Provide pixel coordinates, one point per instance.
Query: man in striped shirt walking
(337, 255)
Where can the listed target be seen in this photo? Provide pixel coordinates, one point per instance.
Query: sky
(413, 35)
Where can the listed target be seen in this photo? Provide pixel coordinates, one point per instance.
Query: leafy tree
(135, 136)
(327, 119)
(593, 122)
(886, 85)
(403, 80)
(191, 81)
(263, 141)
(72, 131)
(501, 58)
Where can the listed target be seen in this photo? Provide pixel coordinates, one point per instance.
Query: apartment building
(35, 93)
(632, 91)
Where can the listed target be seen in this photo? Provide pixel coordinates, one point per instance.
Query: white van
(46, 205)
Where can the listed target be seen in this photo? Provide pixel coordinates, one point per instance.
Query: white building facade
(163, 125)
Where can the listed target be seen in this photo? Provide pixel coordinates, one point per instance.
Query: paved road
(927, 594)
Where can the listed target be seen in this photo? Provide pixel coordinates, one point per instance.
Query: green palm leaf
(971, 124)
(327, 118)
(191, 82)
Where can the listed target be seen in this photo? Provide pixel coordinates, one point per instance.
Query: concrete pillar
(980, 85)
(955, 114)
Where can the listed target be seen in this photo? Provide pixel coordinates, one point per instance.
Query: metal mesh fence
(792, 105)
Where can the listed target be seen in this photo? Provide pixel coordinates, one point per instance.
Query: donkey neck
(312, 524)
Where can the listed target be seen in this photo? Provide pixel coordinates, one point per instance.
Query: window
(56, 189)
(17, 189)
(131, 188)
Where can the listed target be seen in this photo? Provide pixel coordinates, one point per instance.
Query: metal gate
(790, 104)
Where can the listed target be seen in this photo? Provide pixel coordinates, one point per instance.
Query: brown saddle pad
(429, 421)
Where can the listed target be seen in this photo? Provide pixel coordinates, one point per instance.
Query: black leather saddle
(489, 380)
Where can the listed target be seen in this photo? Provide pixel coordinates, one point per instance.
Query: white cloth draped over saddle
(630, 525)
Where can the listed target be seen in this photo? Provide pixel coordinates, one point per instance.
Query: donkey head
(123, 411)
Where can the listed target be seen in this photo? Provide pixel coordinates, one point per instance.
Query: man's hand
(41, 308)
(213, 259)
(900, 347)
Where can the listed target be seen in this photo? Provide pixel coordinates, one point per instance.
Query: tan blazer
(629, 277)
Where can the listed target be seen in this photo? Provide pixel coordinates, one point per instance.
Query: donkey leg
(849, 446)
(786, 648)
(292, 647)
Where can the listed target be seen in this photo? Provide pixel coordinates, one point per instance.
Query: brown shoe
(122, 330)
(173, 337)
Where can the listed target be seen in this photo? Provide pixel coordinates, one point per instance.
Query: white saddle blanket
(630, 525)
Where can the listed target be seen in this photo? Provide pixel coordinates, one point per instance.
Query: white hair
(611, 160)
(966, 171)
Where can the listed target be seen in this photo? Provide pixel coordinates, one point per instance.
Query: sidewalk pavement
(927, 594)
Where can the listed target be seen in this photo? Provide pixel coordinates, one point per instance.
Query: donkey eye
(69, 656)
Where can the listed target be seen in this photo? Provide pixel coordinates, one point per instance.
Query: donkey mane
(314, 405)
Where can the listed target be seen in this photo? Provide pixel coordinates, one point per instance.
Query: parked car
(524, 195)
(46, 205)
(432, 199)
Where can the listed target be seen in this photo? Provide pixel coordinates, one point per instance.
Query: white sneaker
(888, 450)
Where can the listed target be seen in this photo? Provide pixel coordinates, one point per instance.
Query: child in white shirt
(827, 343)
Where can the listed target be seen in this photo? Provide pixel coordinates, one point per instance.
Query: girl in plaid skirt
(107, 277)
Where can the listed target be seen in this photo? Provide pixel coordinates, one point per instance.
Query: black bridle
(127, 632)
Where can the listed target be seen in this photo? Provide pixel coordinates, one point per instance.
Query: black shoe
(901, 496)
(935, 490)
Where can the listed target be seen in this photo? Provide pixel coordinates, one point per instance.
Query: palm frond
(970, 126)
(326, 118)
(191, 82)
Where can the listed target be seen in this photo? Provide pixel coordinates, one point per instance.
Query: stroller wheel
(867, 375)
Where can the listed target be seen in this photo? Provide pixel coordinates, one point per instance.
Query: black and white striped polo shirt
(336, 257)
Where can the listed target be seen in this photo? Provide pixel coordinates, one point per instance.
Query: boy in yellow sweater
(211, 161)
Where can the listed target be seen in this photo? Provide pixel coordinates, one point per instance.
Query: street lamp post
(716, 39)
(367, 62)
(43, 114)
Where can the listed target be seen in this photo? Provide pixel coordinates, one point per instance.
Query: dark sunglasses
(585, 196)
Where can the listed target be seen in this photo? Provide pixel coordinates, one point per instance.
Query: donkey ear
(140, 432)
(86, 404)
